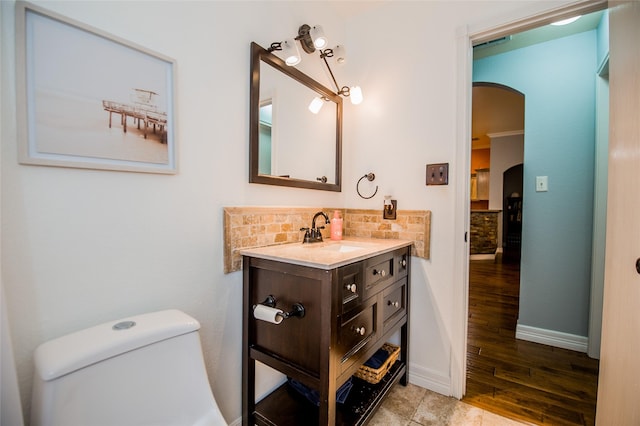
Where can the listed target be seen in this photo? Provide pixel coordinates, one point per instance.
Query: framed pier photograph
(89, 99)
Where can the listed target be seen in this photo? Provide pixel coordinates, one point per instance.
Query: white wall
(506, 151)
(80, 247)
(10, 405)
(407, 61)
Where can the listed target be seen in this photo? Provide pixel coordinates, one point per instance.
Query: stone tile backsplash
(413, 225)
(249, 227)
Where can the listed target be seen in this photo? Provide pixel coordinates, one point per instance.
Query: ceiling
(500, 111)
(538, 35)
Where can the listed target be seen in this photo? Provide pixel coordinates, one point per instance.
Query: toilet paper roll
(268, 314)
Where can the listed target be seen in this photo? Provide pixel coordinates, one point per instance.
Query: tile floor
(415, 406)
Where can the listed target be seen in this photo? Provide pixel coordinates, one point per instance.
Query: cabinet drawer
(394, 301)
(401, 263)
(355, 332)
(379, 270)
(351, 288)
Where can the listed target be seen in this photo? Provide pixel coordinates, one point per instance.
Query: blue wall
(603, 37)
(558, 81)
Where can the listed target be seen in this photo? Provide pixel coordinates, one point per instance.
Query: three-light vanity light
(312, 39)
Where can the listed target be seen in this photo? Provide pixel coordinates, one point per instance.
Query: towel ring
(370, 177)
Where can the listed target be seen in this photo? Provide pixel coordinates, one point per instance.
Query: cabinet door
(295, 340)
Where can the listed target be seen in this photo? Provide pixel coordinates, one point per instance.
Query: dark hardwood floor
(522, 380)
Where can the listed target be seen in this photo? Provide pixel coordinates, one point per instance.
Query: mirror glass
(290, 145)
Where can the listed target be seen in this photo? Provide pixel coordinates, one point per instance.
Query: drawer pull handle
(394, 304)
(360, 330)
(381, 272)
(352, 288)
(403, 262)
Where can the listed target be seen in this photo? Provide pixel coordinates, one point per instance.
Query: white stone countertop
(328, 254)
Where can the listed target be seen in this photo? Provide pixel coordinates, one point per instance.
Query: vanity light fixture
(319, 39)
(316, 104)
(340, 54)
(312, 39)
(354, 93)
(290, 51)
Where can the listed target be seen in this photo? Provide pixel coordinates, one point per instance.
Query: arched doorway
(497, 145)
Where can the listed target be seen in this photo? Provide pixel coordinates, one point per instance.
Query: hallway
(515, 378)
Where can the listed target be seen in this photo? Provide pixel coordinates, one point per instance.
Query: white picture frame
(89, 99)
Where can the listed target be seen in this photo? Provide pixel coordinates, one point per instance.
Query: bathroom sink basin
(341, 248)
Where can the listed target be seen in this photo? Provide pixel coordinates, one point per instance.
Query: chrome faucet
(314, 235)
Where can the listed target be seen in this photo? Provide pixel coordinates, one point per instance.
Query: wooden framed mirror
(289, 144)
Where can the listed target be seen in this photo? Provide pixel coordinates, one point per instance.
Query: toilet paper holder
(297, 310)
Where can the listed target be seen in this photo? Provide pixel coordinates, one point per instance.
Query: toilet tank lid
(77, 350)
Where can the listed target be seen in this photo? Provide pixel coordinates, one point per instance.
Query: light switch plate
(438, 174)
(542, 183)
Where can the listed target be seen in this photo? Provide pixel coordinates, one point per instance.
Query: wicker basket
(374, 376)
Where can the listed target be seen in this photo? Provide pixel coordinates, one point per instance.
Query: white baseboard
(482, 257)
(429, 379)
(557, 339)
(486, 256)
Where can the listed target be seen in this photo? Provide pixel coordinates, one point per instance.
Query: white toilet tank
(146, 370)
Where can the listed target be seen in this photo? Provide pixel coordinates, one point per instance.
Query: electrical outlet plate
(542, 183)
(390, 214)
(438, 174)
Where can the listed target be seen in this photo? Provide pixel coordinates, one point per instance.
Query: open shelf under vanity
(285, 406)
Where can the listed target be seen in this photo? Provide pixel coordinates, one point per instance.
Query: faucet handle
(307, 235)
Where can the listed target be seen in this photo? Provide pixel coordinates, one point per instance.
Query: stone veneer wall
(250, 227)
(484, 232)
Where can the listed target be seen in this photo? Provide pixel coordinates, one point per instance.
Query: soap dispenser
(336, 226)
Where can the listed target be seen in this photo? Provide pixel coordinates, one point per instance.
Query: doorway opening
(543, 266)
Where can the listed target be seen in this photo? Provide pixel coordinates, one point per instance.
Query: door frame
(466, 38)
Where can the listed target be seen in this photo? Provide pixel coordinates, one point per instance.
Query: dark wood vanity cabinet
(350, 312)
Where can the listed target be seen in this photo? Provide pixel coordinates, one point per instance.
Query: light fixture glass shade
(316, 105)
(566, 21)
(356, 95)
(291, 53)
(318, 37)
(340, 54)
